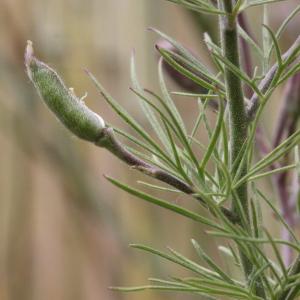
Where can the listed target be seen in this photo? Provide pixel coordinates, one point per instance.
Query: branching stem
(108, 141)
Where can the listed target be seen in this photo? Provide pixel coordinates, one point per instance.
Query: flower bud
(180, 79)
(68, 108)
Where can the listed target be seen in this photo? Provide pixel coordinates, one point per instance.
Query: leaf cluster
(207, 168)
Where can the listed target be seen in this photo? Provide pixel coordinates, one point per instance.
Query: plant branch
(268, 78)
(87, 125)
(108, 141)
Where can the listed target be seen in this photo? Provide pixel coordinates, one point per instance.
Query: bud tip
(164, 44)
(28, 53)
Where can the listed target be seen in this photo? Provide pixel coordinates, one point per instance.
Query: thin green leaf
(239, 73)
(144, 146)
(275, 44)
(167, 55)
(199, 72)
(250, 177)
(183, 51)
(288, 74)
(173, 207)
(158, 187)
(256, 275)
(202, 96)
(179, 260)
(166, 97)
(177, 158)
(210, 262)
(125, 116)
(284, 25)
(260, 2)
(278, 215)
(214, 137)
(251, 42)
(200, 7)
(148, 112)
(254, 240)
(255, 220)
(155, 287)
(277, 254)
(278, 152)
(217, 284)
(182, 136)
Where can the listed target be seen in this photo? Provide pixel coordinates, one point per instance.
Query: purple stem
(288, 114)
(287, 191)
(180, 79)
(286, 125)
(268, 78)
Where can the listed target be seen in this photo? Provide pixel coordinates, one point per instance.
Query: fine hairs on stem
(221, 175)
(238, 124)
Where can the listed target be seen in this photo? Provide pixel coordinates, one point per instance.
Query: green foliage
(219, 177)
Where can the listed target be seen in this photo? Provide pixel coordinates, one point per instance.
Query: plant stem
(108, 141)
(237, 118)
(234, 93)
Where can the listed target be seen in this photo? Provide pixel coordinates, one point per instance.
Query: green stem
(107, 140)
(238, 123)
(237, 114)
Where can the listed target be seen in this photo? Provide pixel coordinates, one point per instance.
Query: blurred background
(64, 231)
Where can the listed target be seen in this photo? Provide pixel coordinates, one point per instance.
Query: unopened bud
(68, 108)
(180, 79)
